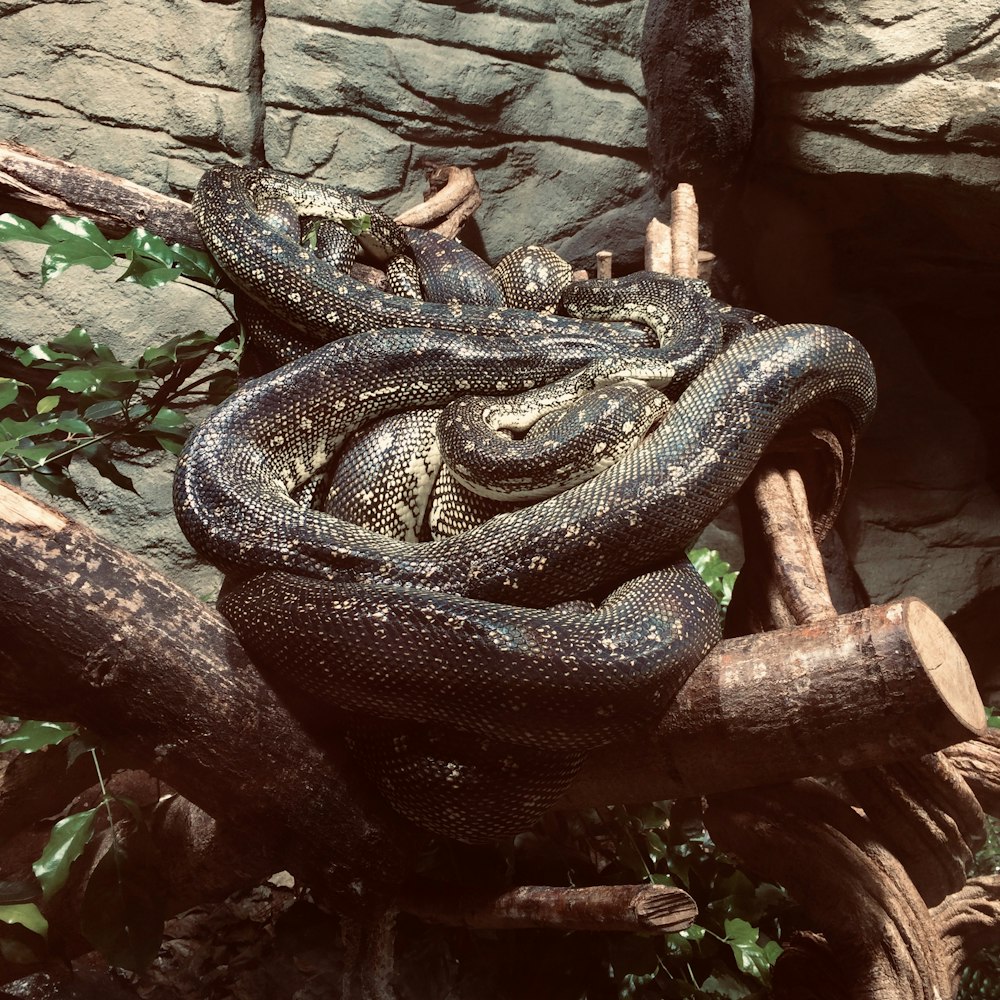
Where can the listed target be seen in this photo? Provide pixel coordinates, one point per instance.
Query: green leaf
(750, 957)
(58, 484)
(103, 410)
(145, 272)
(358, 225)
(40, 355)
(724, 985)
(167, 419)
(77, 342)
(123, 905)
(27, 915)
(96, 378)
(100, 458)
(64, 255)
(13, 227)
(46, 404)
(196, 264)
(79, 380)
(66, 843)
(73, 425)
(67, 227)
(9, 388)
(171, 445)
(31, 736)
(38, 454)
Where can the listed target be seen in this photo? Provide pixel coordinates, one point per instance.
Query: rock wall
(872, 200)
(868, 193)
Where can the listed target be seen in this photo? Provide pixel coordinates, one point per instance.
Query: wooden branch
(657, 253)
(655, 909)
(453, 197)
(45, 183)
(803, 595)
(847, 882)
(684, 232)
(94, 635)
(115, 204)
(967, 921)
(926, 815)
(978, 761)
(750, 708)
(880, 684)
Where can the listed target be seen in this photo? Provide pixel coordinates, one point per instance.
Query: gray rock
(696, 60)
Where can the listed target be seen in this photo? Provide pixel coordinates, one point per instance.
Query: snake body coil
(455, 642)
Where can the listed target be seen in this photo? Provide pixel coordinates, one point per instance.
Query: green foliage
(992, 717)
(68, 399)
(716, 572)
(123, 905)
(730, 950)
(23, 933)
(72, 398)
(981, 979)
(31, 736)
(70, 241)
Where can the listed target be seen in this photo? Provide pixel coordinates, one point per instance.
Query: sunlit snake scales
(470, 699)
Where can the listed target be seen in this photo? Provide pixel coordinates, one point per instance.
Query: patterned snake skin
(468, 695)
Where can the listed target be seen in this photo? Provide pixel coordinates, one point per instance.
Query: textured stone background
(869, 195)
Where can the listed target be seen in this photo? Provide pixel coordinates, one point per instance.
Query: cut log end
(945, 664)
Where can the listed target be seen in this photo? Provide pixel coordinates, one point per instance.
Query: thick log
(94, 635)
(100, 628)
(880, 684)
(656, 909)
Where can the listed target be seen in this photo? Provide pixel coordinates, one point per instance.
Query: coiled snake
(470, 697)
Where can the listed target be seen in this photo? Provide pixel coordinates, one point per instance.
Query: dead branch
(115, 204)
(39, 185)
(684, 232)
(655, 909)
(94, 635)
(451, 200)
(883, 682)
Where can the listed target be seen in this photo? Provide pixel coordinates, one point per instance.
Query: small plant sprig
(73, 398)
(122, 910)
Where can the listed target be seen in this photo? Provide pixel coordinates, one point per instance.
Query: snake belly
(455, 642)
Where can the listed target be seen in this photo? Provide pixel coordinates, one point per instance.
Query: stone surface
(696, 60)
(873, 201)
(545, 104)
(143, 89)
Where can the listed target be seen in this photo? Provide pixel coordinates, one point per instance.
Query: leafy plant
(718, 575)
(122, 910)
(69, 399)
(73, 398)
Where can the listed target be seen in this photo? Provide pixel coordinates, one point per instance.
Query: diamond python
(469, 696)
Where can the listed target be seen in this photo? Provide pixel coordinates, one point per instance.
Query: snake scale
(469, 692)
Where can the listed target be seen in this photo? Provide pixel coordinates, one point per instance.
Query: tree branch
(94, 635)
